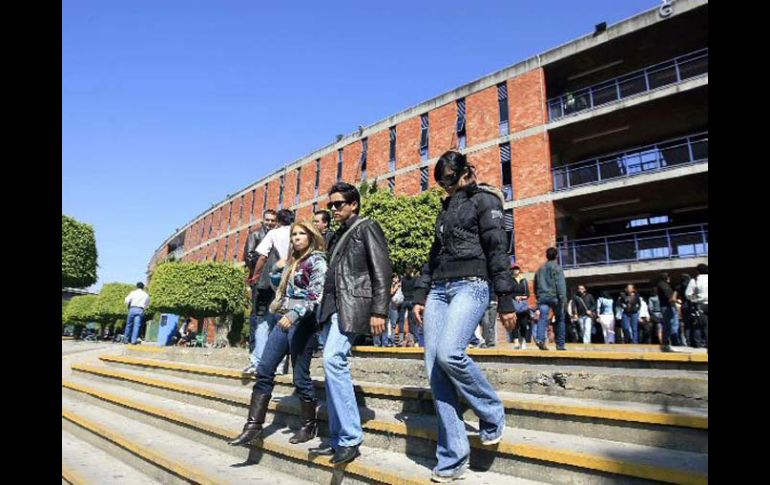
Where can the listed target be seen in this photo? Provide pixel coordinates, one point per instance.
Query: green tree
(110, 305)
(408, 223)
(199, 290)
(78, 247)
(79, 312)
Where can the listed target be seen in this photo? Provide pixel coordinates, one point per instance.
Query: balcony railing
(672, 243)
(669, 72)
(652, 158)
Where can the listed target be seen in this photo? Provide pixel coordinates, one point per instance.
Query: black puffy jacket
(470, 241)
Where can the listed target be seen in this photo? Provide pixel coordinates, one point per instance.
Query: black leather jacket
(362, 277)
(470, 241)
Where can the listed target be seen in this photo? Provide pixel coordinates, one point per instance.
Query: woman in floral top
(297, 298)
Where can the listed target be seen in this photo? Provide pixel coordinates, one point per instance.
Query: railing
(652, 158)
(653, 77)
(671, 243)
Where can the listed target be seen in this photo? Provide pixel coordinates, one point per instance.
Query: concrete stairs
(577, 427)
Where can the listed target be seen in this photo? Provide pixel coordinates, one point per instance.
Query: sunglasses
(336, 205)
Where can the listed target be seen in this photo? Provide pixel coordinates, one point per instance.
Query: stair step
(586, 455)
(85, 464)
(174, 455)
(201, 464)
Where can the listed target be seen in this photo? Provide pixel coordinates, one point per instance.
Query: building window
(253, 199)
(211, 224)
(424, 136)
(392, 183)
(317, 175)
(392, 157)
(502, 101)
(505, 169)
(230, 216)
(227, 246)
(423, 179)
(296, 196)
(364, 149)
(339, 165)
(264, 202)
(235, 246)
(508, 224)
(203, 228)
(461, 137)
(315, 207)
(240, 211)
(280, 192)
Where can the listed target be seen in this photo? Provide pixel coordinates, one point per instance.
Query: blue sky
(169, 106)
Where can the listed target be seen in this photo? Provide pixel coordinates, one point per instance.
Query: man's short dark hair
(551, 253)
(140, 285)
(268, 211)
(285, 217)
(324, 215)
(349, 193)
(702, 268)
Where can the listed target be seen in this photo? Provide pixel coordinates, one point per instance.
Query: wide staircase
(588, 415)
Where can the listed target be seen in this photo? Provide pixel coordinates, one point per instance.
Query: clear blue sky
(168, 106)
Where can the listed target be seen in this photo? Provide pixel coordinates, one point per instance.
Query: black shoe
(541, 345)
(345, 454)
(561, 347)
(323, 450)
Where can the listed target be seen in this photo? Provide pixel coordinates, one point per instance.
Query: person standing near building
(523, 331)
(583, 310)
(137, 301)
(697, 293)
(551, 293)
(467, 259)
(667, 296)
(630, 306)
(276, 240)
(656, 317)
(606, 317)
(299, 292)
(261, 291)
(321, 220)
(356, 300)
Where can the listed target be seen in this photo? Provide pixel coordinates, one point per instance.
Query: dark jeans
(299, 342)
(631, 327)
(406, 312)
(260, 300)
(700, 326)
(546, 305)
(489, 324)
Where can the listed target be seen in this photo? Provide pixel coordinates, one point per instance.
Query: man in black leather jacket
(261, 291)
(356, 298)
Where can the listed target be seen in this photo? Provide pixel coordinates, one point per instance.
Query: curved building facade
(599, 145)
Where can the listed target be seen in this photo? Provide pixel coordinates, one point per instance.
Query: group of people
(317, 292)
(325, 290)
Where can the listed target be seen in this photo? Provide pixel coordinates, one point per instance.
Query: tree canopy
(78, 247)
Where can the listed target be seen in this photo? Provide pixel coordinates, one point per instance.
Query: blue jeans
(386, 338)
(631, 326)
(344, 419)
(452, 313)
(133, 324)
(261, 333)
(670, 326)
(545, 305)
(586, 324)
(298, 342)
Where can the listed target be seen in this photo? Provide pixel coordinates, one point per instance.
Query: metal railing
(669, 72)
(670, 243)
(678, 152)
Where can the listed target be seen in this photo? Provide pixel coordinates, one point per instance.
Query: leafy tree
(78, 247)
(110, 305)
(80, 311)
(199, 290)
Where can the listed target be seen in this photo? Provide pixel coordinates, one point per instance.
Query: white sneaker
(524, 346)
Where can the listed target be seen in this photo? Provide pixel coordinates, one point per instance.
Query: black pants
(523, 328)
(299, 342)
(700, 326)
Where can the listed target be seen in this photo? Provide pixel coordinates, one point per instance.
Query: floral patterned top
(305, 290)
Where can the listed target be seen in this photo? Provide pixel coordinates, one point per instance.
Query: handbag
(520, 306)
(398, 298)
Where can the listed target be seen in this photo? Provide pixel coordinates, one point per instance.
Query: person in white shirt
(280, 240)
(137, 301)
(697, 292)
